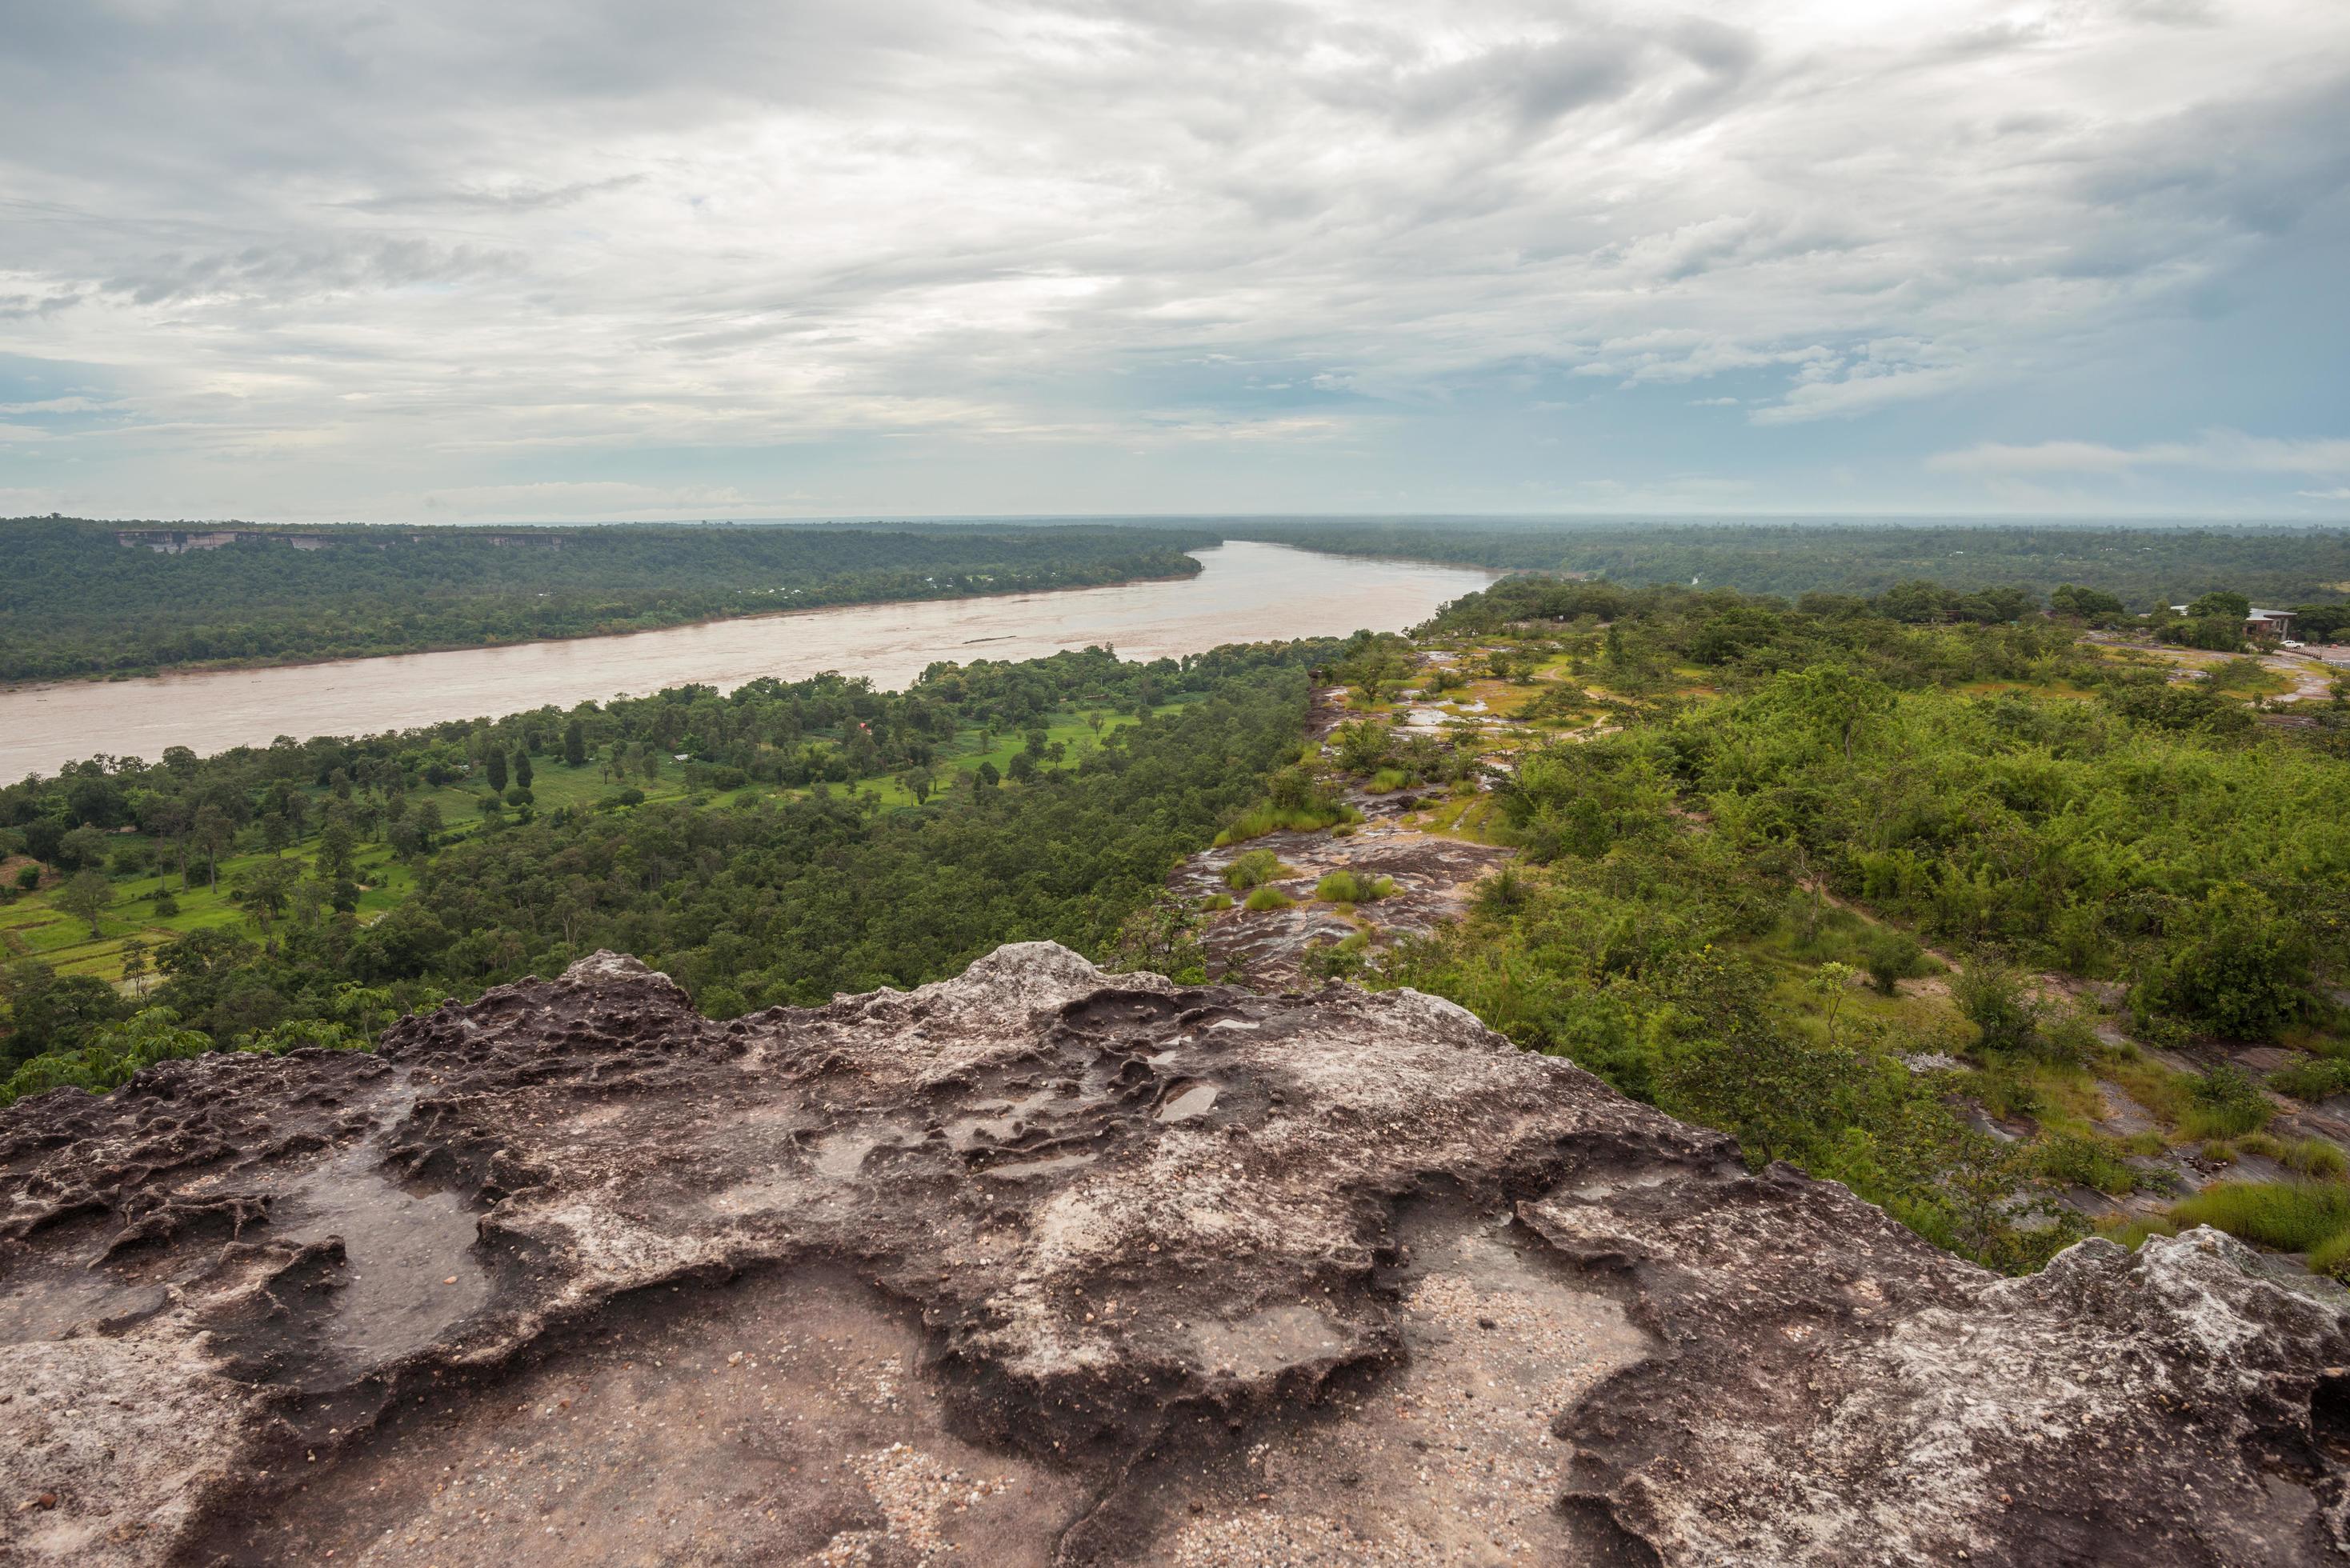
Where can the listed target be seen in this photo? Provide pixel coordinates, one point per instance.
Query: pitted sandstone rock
(1040, 1264)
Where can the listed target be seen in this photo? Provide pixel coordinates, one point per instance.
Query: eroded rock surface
(1043, 1265)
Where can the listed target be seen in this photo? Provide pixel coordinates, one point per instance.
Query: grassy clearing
(2311, 1157)
(2289, 1216)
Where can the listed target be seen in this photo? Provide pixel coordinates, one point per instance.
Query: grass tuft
(2290, 1216)
(1347, 887)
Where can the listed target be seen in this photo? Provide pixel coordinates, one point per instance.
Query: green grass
(1347, 887)
(2316, 1079)
(2304, 1156)
(1268, 898)
(2224, 1102)
(2289, 1216)
(2086, 1161)
(1254, 869)
(1390, 779)
(1260, 820)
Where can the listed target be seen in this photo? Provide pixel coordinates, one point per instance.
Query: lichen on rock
(1040, 1264)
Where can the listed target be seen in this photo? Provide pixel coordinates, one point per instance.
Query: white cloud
(2215, 451)
(439, 244)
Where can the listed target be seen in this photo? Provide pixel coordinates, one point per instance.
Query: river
(1245, 592)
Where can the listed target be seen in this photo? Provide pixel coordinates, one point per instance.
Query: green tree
(495, 767)
(522, 766)
(2220, 605)
(574, 745)
(265, 891)
(85, 895)
(210, 833)
(2244, 968)
(337, 849)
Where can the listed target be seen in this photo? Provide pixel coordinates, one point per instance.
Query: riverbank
(461, 645)
(1244, 592)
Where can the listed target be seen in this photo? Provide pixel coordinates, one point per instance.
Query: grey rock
(978, 1272)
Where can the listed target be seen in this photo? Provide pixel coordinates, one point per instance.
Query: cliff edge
(1040, 1264)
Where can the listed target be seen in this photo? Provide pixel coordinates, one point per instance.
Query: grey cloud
(507, 199)
(289, 271)
(446, 228)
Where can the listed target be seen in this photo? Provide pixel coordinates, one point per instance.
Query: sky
(582, 259)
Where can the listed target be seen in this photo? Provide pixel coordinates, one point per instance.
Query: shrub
(1387, 779)
(1990, 996)
(1347, 887)
(2290, 1216)
(1891, 956)
(1217, 903)
(1268, 898)
(2246, 972)
(2315, 1079)
(2224, 1102)
(2091, 1162)
(1253, 869)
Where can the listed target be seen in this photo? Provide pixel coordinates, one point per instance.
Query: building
(2260, 625)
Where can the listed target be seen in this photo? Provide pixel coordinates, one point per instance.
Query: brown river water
(1247, 592)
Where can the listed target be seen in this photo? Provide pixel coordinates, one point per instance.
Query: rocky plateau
(1046, 1265)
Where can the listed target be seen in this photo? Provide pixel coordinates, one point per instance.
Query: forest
(2144, 567)
(777, 844)
(76, 600)
(1911, 890)
(1984, 919)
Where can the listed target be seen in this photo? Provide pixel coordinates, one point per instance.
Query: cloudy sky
(446, 260)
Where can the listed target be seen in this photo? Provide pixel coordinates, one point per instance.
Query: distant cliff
(1040, 1264)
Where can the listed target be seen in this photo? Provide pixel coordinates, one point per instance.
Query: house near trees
(2260, 625)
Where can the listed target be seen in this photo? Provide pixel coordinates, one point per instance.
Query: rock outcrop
(1045, 1265)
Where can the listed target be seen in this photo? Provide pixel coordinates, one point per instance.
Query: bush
(1891, 956)
(1216, 903)
(2245, 972)
(1268, 898)
(1253, 869)
(2224, 1102)
(2316, 1079)
(1387, 779)
(2091, 1162)
(1346, 887)
(1992, 999)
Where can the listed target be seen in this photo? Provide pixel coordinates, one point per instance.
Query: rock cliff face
(1045, 1265)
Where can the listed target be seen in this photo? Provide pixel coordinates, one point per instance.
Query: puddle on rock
(1196, 1101)
(410, 1272)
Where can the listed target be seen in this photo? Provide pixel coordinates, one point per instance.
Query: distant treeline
(79, 597)
(2142, 567)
